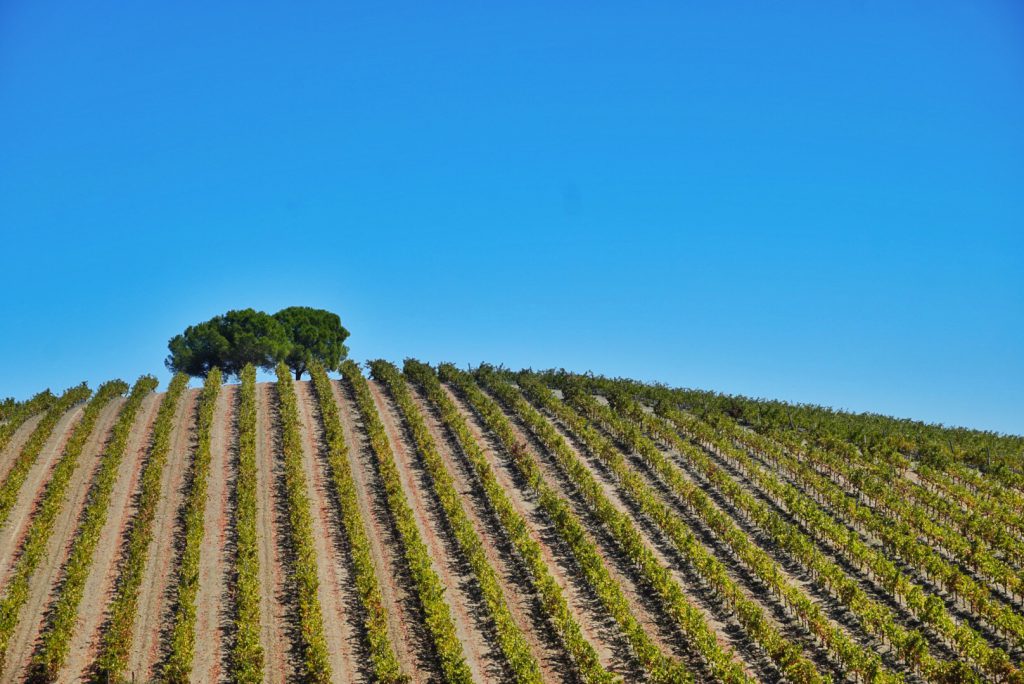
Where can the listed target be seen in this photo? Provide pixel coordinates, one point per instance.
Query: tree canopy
(297, 335)
(314, 335)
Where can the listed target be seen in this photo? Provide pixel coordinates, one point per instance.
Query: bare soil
(408, 633)
(17, 441)
(274, 612)
(157, 585)
(338, 599)
(597, 626)
(99, 587)
(43, 582)
(467, 609)
(213, 604)
(13, 531)
(522, 600)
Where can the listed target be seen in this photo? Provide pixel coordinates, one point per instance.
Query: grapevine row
(853, 659)
(876, 619)
(721, 662)
(116, 641)
(382, 652)
(429, 588)
(63, 617)
(316, 663)
(787, 656)
(930, 609)
(246, 652)
(659, 665)
(522, 665)
(178, 666)
(33, 547)
(887, 494)
(34, 445)
(580, 651)
(20, 412)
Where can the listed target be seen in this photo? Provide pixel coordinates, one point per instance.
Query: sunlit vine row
(428, 585)
(580, 651)
(52, 651)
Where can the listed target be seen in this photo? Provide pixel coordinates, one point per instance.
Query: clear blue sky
(811, 201)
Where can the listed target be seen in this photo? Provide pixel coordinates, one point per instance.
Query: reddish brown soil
(99, 587)
(42, 584)
(482, 657)
(596, 625)
(13, 531)
(408, 633)
(337, 595)
(522, 601)
(157, 581)
(274, 615)
(213, 605)
(16, 442)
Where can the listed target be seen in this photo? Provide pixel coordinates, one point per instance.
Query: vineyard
(433, 524)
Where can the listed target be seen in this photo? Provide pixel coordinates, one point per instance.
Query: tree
(229, 342)
(313, 335)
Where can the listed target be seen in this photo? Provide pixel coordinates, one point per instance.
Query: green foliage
(581, 652)
(316, 662)
(247, 653)
(52, 652)
(621, 527)
(16, 413)
(116, 641)
(229, 342)
(660, 666)
(34, 445)
(298, 335)
(429, 588)
(382, 651)
(178, 667)
(521, 663)
(315, 336)
(33, 547)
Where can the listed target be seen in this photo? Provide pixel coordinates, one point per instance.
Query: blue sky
(810, 201)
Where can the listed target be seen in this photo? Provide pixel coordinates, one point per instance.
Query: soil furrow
(522, 600)
(468, 613)
(274, 615)
(99, 587)
(157, 581)
(13, 531)
(598, 627)
(42, 585)
(338, 599)
(719, 617)
(13, 447)
(642, 601)
(408, 633)
(213, 605)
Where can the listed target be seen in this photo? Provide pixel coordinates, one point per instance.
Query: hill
(434, 524)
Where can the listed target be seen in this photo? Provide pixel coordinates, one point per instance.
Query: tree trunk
(298, 374)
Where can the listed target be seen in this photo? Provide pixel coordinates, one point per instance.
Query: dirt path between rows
(213, 603)
(595, 623)
(719, 617)
(99, 587)
(641, 600)
(274, 615)
(408, 633)
(17, 441)
(522, 600)
(157, 580)
(13, 532)
(461, 591)
(338, 598)
(41, 586)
